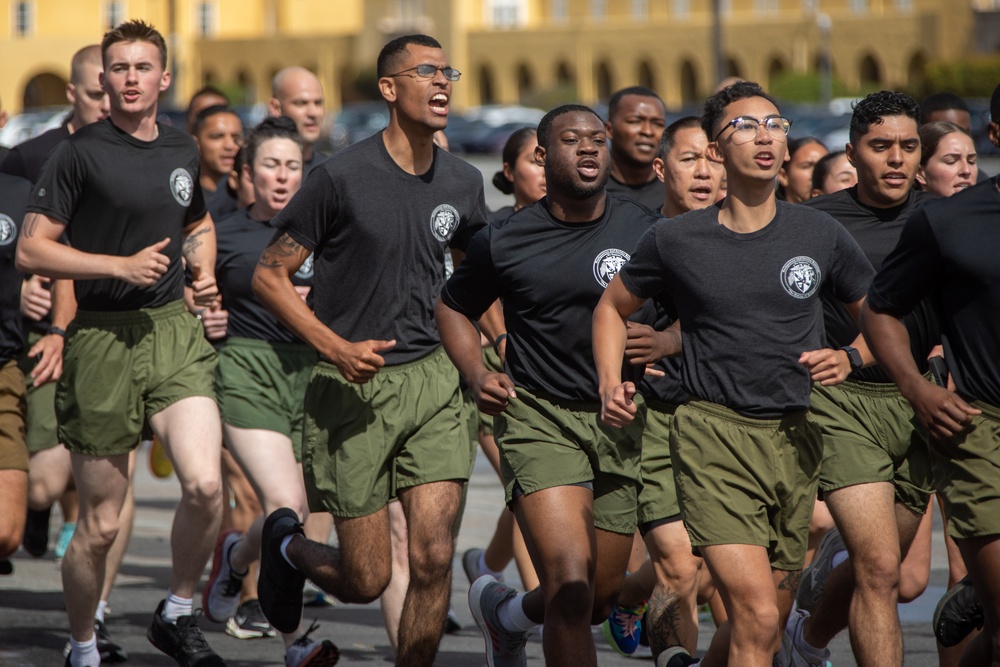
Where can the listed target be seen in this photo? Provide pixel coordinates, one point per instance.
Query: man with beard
(571, 482)
(383, 407)
(745, 280)
(636, 118)
(876, 476)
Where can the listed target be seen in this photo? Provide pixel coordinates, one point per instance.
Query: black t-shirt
(951, 248)
(316, 160)
(14, 193)
(118, 195)
(748, 304)
(502, 213)
(648, 194)
(241, 240)
(379, 236)
(549, 276)
(876, 230)
(221, 203)
(27, 158)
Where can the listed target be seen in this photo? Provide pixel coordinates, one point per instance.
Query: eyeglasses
(745, 128)
(430, 71)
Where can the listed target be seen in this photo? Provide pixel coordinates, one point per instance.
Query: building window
(681, 7)
(114, 14)
(206, 19)
(559, 10)
(640, 9)
(859, 6)
(505, 13)
(598, 9)
(24, 19)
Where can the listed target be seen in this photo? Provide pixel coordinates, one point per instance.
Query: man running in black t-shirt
(383, 407)
(571, 482)
(296, 93)
(875, 476)
(636, 118)
(125, 191)
(745, 280)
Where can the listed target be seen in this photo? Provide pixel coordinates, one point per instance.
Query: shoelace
(628, 619)
(304, 639)
(190, 633)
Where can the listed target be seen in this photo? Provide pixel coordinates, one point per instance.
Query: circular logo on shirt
(608, 263)
(182, 186)
(8, 230)
(305, 271)
(444, 221)
(800, 276)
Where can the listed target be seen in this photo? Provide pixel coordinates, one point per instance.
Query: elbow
(23, 259)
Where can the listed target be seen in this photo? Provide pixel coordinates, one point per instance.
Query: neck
(259, 211)
(307, 152)
(413, 151)
(748, 206)
(570, 210)
(72, 125)
(865, 198)
(209, 180)
(631, 173)
(671, 210)
(142, 125)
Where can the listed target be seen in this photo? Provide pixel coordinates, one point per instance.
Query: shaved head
(289, 79)
(296, 93)
(88, 55)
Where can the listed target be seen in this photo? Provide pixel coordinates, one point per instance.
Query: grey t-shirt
(378, 235)
(749, 304)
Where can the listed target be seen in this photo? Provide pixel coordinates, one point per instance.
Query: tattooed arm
(199, 253)
(272, 283)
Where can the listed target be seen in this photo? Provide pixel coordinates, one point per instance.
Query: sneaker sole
(475, 606)
(273, 595)
(325, 655)
(217, 556)
(955, 591)
(821, 560)
(609, 637)
(234, 630)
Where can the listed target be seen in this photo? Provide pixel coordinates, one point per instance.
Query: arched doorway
(44, 90)
(689, 84)
(605, 83)
(869, 71)
(487, 91)
(646, 77)
(525, 82)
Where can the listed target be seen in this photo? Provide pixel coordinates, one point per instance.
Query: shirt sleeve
(850, 271)
(644, 275)
(475, 285)
(312, 211)
(910, 271)
(13, 164)
(60, 185)
(469, 226)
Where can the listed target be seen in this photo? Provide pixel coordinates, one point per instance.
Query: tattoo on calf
(663, 620)
(790, 582)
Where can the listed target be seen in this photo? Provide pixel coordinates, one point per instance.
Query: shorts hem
(156, 407)
(621, 529)
(236, 423)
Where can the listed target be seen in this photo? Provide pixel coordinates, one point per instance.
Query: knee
(11, 534)
(97, 534)
(204, 492)
(877, 572)
(430, 562)
(569, 594)
(760, 622)
(366, 584)
(679, 573)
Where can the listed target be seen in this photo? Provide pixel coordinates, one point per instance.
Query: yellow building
(508, 50)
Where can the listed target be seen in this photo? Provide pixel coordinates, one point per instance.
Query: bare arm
(610, 334)
(199, 250)
(39, 251)
(49, 348)
(272, 283)
(831, 367)
(943, 412)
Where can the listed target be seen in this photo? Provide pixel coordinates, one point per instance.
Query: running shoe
(814, 577)
(504, 648)
(65, 535)
(623, 628)
(470, 563)
(221, 596)
(36, 532)
(315, 597)
(958, 613)
(451, 622)
(110, 651)
(305, 652)
(182, 641)
(675, 656)
(280, 585)
(249, 622)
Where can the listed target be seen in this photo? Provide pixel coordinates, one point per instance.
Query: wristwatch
(854, 357)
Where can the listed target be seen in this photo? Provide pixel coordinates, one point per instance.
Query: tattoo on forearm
(30, 225)
(192, 242)
(285, 247)
(663, 620)
(790, 582)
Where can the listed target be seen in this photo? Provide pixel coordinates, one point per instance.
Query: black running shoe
(6, 567)
(280, 585)
(957, 614)
(182, 641)
(110, 651)
(36, 532)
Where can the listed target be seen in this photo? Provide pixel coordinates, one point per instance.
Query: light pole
(824, 24)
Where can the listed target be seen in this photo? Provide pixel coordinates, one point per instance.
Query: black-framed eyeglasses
(745, 128)
(430, 71)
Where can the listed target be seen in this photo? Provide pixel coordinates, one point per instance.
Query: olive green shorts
(492, 362)
(967, 475)
(871, 435)
(546, 442)
(13, 452)
(41, 419)
(658, 497)
(261, 385)
(120, 368)
(742, 480)
(362, 443)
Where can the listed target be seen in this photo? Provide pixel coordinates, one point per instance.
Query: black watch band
(854, 357)
(57, 331)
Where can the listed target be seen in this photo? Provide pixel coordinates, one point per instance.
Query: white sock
(84, 654)
(484, 569)
(176, 607)
(102, 607)
(838, 558)
(284, 552)
(511, 614)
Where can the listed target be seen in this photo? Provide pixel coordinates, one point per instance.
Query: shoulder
(800, 213)
(449, 162)
(172, 136)
(625, 206)
(831, 202)
(15, 187)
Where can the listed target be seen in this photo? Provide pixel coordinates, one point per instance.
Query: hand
(36, 297)
(617, 407)
(303, 291)
(646, 345)
(49, 352)
(203, 288)
(147, 266)
(216, 322)
(493, 391)
(941, 411)
(827, 366)
(359, 362)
